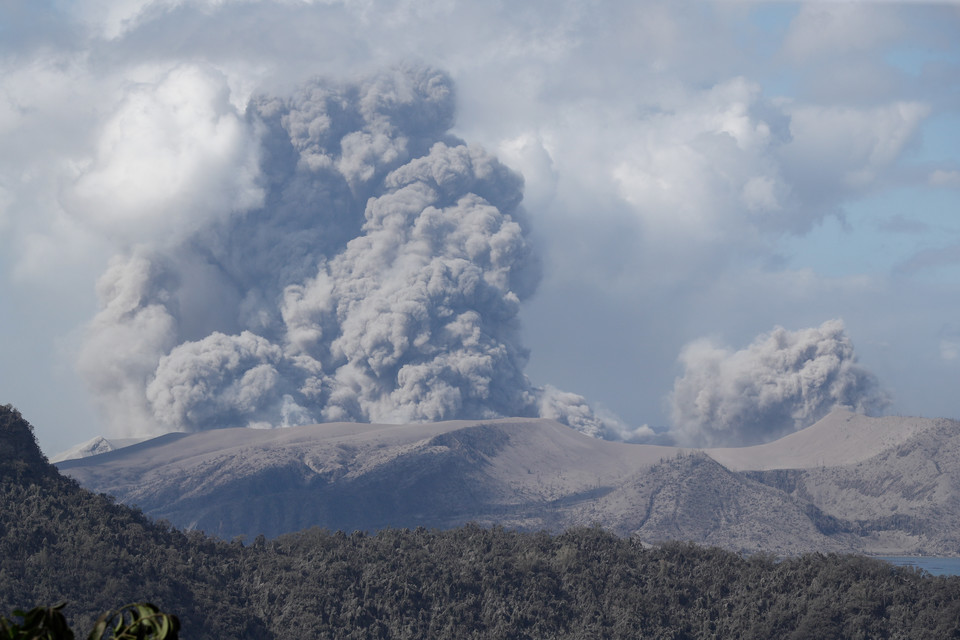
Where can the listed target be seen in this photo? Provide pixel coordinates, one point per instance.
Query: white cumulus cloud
(174, 154)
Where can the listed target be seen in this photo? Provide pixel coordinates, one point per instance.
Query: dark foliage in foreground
(139, 621)
(60, 542)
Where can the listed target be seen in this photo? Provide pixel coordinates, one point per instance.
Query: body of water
(936, 566)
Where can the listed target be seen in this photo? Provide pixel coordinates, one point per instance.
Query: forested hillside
(60, 542)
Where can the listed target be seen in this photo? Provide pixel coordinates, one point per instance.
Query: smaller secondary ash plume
(782, 382)
(376, 277)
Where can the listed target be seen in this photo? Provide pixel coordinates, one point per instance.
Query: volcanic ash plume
(782, 382)
(378, 279)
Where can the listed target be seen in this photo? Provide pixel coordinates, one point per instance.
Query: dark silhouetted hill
(21, 458)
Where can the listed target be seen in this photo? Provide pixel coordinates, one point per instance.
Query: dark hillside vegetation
(60, 542)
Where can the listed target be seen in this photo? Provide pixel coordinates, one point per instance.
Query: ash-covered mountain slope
(692, 497)
(94, 446)
(904, 500)
(354, 476)
(884, 485)
(840, 438)
(846, 483)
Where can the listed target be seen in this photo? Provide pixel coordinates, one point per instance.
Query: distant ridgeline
(60, 542)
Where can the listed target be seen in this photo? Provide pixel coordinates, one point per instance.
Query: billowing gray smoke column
(782, 382)
(380, 280)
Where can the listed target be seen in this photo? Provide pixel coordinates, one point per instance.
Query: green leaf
(137, 621)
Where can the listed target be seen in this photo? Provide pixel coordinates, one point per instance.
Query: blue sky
(692, 170)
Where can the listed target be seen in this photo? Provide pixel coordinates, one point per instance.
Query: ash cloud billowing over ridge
(337, 255)
(372, 272)
(783, 381)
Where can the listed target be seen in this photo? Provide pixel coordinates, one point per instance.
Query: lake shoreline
(935, 565)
